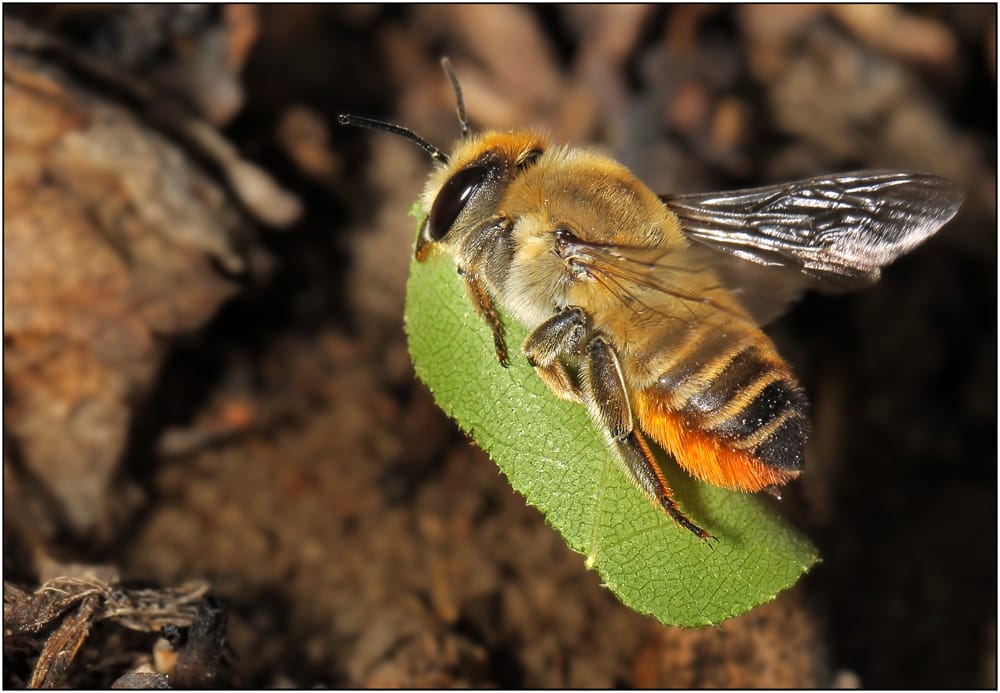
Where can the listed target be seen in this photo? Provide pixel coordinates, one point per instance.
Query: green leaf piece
(552, 454)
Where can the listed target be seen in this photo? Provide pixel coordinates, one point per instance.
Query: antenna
(462, 120)
(361, 122)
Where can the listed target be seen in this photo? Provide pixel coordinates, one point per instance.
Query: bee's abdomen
(754, 403)
(730, 410)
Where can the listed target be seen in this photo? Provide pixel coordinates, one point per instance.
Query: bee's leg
(560, 335)
(483, 304)
(607, 400)
(487, 251)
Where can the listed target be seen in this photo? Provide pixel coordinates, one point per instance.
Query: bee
(647, 309)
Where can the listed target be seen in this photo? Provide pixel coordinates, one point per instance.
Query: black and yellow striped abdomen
(726, 406)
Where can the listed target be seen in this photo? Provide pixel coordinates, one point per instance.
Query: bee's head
(467, 185)
(466, 194)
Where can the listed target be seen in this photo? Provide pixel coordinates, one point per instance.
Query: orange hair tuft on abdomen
(703, 455)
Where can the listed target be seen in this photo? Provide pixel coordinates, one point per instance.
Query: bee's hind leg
(606, 397)
(602, 390)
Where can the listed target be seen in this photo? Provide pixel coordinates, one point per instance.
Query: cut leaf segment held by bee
(645, 309)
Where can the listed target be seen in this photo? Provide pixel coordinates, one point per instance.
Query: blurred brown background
(206, 378)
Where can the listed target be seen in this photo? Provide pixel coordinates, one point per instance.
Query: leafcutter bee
(646, 309)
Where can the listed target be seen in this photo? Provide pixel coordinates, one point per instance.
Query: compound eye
(454, 195)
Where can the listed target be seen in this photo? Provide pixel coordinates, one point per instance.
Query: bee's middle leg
(606, 398)
(561, 335)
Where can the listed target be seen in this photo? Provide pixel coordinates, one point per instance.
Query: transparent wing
(839, 229)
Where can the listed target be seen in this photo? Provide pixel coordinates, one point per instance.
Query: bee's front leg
(485, 251)
(606, 397)
(483, 304)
